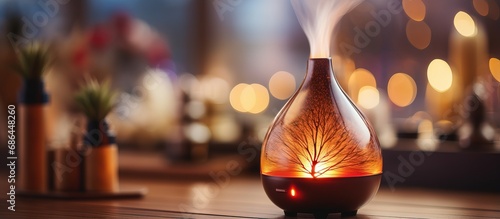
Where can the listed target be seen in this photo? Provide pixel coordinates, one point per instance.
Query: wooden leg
(290, 214)
(349, 213)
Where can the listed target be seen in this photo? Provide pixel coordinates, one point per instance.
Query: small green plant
(96, 99)
(33, 60)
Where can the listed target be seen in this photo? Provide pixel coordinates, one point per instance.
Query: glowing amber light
(368, 97)
(419, 34)
(261, 98)
(282, 85)
(439, 75)
(248, 98)
(495, 68)
(358, 79)
(402, 89)
(464, 24)
(235, 97)
(415, 9)
(319, 133)
(253, 98)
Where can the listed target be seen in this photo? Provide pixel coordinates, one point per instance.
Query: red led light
(292, 192)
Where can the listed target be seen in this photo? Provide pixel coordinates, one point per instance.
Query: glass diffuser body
(320, 155)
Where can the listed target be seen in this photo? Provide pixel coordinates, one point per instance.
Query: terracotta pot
(32, 137)
(101, 169)
(101, 159)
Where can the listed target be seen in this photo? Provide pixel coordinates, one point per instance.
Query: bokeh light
(495, 68)
(481, 7)
(261, 98)
(248, 98)
(225, 129)
(252, 98)
(426, 137)
(343, 68)
(464, 24)
(494, 12)
(415, 9)
(214, 89)
(282, 85)
(358, 79)
(439, 75)
(234, 97)
(195, 109)
(368, 97)
(402, 89)
(197, 133)
(418, 33)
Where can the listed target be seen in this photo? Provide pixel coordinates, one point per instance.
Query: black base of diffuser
(320, 215)
(321, 196)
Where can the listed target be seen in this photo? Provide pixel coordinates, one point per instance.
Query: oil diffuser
(320, 155)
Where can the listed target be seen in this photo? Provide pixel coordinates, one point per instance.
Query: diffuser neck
(320, 73)
(319, 67)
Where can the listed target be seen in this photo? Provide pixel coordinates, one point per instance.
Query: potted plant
(101, 158)
(33, 61)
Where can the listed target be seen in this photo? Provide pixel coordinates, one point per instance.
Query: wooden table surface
(243, 197)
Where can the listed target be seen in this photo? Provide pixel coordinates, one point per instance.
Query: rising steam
(318, 18)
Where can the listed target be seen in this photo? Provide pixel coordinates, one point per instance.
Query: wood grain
(243, 197)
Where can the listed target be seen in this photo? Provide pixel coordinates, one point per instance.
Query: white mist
(318, 18)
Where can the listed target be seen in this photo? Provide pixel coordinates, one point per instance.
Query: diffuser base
(321, 196)
(320, 215)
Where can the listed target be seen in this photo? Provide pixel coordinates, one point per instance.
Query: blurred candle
(468, 62)
(468, 53)
(441, 89)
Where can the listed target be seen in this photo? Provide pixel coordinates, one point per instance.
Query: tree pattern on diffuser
(316, 143)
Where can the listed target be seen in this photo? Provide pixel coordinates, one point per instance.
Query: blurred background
(201, 81)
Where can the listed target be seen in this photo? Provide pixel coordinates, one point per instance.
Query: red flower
(99, 37)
